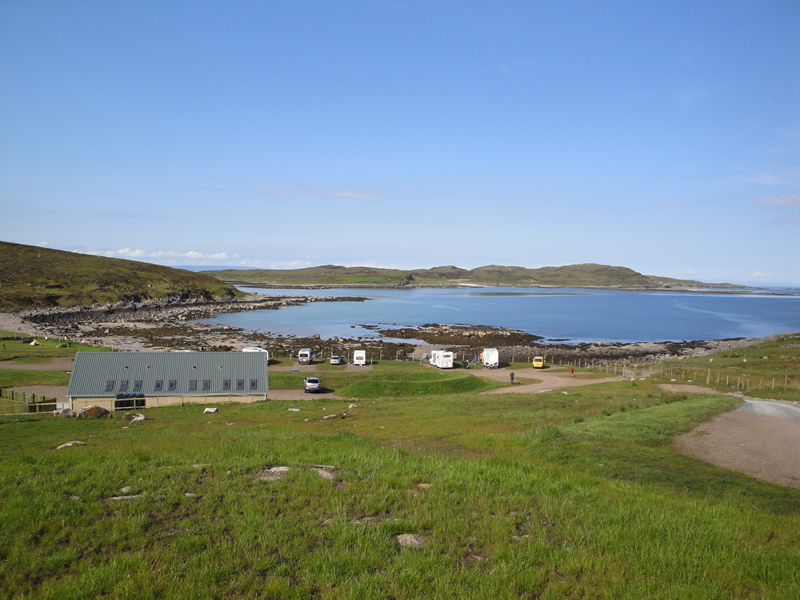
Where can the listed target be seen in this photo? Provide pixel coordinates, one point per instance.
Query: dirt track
(550, 378)
(751, 439)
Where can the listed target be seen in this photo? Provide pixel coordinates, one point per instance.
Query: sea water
(566, 315)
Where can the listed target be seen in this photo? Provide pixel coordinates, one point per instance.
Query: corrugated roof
(109, 374)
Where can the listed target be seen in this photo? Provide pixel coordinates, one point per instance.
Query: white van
(305, 356)
(360, 357)
(490, 358)
(256, 349)
(442, 359)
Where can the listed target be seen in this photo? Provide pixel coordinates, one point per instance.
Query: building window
(193, 385)
(173, 385)
(226, 384)
(137, 386)
(159, 385)
(123, 385)
(206, 385)
(253, 385)
(240, 384)
(109, 386)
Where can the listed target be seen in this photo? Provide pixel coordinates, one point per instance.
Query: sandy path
(764, 447)
(550, 379)
(760, 438)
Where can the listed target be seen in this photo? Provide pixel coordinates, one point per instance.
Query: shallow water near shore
(564, 315)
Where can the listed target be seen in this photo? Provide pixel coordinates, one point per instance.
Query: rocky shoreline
(167, 325)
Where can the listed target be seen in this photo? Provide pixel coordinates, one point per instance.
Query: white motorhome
(256, 349)
(360, 357)
(490, 358)
(442, 359)
(305, 356)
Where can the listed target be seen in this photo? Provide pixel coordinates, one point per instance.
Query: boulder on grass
(71, 444)
(64, 413)
(94, 412)
(273, 474)
(410, 540)
(211, 410)
(134, 417)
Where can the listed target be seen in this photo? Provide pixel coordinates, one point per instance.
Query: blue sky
(660, 136)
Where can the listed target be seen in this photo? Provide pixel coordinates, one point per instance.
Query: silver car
(311, 384)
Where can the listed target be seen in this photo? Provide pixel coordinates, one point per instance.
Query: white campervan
(360, 357)
(490, 358)
(305, 356)
(256, 349)
(442, 359)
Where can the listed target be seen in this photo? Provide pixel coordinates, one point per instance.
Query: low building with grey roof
(119, 380)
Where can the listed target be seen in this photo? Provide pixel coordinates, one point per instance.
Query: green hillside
(34, 277)
(585, 275)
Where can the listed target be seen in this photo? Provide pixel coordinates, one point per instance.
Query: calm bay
(566, 315)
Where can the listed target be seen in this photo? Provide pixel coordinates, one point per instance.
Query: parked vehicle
(305, 356)
(311, 384)
(360, 357)
(490, 358)
(538, 362)
(256, 349)
(337, 360)
(442, 359)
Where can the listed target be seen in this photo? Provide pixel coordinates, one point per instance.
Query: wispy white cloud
(291, 264)
(760, 275)
(140, 254)
(358, 195)
(277, 190)
(762, 179)
(785, 200)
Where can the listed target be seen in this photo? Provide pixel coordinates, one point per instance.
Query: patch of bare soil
(545, 380)
(686, 389)
(58, 392)
(762, 446)
(56, 364)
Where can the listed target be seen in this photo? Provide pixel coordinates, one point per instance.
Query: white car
(336, 360)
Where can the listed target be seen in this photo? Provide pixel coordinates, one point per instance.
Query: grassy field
(767, 370)
(557, 495)
(389, 379)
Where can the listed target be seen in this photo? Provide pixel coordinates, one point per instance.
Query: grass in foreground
(547, 496)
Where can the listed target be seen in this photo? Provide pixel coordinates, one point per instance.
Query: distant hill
(585, 275)
(34, 277)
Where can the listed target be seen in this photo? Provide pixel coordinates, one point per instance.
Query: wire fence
(717, 378)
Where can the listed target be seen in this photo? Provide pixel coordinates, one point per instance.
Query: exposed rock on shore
(470, 335)
(168, 309)
(167, 324)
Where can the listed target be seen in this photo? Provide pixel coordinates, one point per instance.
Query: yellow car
(538, 362)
